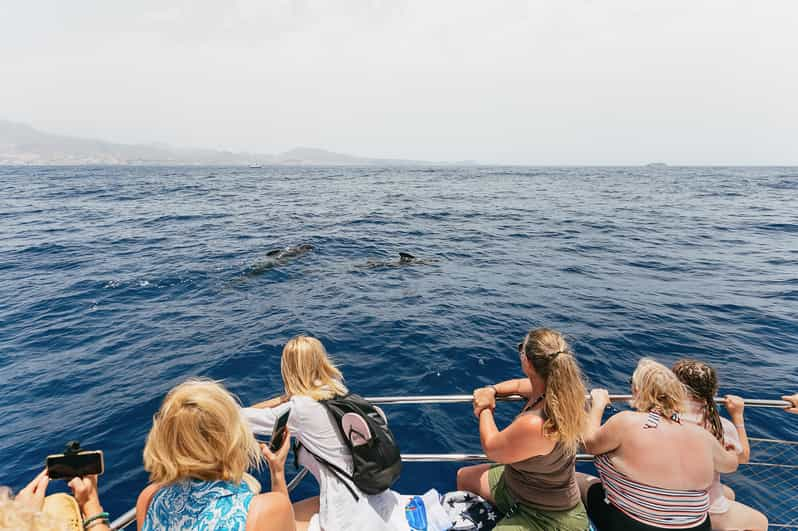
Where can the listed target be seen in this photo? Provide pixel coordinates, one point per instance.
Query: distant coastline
(23, 145)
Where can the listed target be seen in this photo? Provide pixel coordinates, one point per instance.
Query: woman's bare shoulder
(143, 501)
(625, 418)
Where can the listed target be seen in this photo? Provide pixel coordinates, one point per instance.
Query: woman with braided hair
(701, 381)
(534, 484)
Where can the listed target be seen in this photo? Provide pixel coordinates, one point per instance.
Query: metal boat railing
(453, 399)
(129, 517)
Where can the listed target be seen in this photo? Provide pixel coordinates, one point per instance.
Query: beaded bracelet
(102, 516)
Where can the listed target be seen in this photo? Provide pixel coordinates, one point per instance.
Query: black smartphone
(278, 433)
(68, 466)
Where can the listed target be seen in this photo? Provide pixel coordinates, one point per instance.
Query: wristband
(100, 516)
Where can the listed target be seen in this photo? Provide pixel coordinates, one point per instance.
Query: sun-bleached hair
(18, 517)
(655, 387)
(554, 361)
(308, 371)
(200, 433)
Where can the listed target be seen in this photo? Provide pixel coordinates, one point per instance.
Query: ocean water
(118, 283)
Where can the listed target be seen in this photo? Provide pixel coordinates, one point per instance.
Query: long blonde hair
(199, 433)
(554, 361)
(655, 387)
(308, 371)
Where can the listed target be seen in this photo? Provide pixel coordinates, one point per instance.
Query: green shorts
(527, 518)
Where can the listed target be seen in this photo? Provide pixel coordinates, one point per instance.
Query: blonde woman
(197, 454)
(702, 386)
(534, 484)
(655, 469)
(309, 377)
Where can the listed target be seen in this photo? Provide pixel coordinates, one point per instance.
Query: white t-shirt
(718, 501)
(313, 427)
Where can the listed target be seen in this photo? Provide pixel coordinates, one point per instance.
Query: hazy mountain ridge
(21, 144)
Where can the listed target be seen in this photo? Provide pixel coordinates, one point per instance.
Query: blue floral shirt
(199, 505)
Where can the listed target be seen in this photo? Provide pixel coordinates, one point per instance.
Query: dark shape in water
(404, 259)
(278, 257)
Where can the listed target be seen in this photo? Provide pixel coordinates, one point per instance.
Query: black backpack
(377, 462)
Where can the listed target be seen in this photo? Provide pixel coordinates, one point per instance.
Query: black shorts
(606, 517)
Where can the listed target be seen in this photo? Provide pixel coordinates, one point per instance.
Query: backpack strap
(337, 471)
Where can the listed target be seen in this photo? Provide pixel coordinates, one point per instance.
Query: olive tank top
(546, 482)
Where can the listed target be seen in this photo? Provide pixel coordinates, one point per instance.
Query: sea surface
(117, 283)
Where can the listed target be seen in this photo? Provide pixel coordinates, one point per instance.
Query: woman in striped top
(655, 470)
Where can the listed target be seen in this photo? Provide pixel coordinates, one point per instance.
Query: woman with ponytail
(534, 483)
(701, 381)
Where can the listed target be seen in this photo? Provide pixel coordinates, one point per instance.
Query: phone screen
(278, 433)
(74, 465)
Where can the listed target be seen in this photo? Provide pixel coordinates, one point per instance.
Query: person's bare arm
(600, 439)
(520, 440)
(517, 386)
(725, 461)
(270, 403)
(735, 406)
(84, 490)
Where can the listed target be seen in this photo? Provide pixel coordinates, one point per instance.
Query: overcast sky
(539, 81)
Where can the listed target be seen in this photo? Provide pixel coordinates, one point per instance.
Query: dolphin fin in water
(406, 257)
(275, 252)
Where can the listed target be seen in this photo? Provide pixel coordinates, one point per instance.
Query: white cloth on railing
(312, 425)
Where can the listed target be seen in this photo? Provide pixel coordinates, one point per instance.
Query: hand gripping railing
(130, 516)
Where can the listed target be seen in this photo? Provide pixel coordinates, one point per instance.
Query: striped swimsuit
(654, 507)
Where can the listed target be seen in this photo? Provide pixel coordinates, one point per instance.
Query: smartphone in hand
(72, 465)
(278, 433)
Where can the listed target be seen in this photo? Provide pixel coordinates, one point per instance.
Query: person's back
(545, 481)
(672, 455)
(197, 504)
